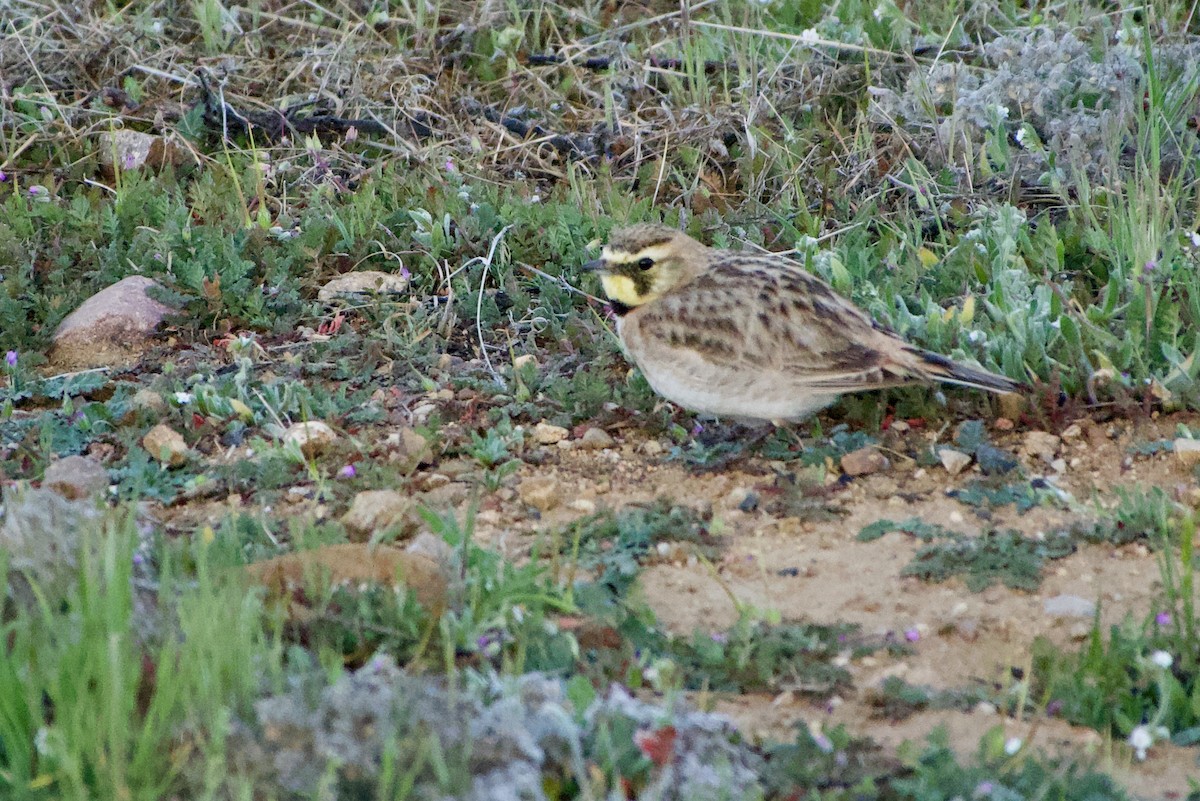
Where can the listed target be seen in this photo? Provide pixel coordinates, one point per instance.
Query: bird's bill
(595, 266)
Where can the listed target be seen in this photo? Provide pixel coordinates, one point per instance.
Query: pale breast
(734, 391)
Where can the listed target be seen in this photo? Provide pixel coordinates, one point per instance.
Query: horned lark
(752, 337)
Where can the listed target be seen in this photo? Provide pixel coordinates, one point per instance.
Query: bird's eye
(645, 264)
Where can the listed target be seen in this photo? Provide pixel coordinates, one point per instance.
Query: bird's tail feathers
(951, 372)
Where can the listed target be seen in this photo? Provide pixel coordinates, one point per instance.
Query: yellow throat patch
(621, 289)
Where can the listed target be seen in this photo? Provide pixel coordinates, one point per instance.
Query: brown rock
(1187, 452)
(149, 401)
(165, 444)
(540, 492)
(1073, 432)
(111, 328)
(864, 461)
(379, 511)
(434, 547)
(546, 434)
(1042, 445)
(1012, 405)
(408, 449)
(353, 564)
(595, 439)
(313, 438)
(458, 468)
(446, 496)
(76, 477)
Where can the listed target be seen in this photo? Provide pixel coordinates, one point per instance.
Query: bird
(753, 337)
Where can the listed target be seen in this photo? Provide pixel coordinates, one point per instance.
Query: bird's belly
(735, 394)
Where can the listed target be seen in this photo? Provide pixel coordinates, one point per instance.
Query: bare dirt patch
(816, 570)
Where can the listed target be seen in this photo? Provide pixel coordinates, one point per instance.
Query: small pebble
(541, 492)
(953, 460)
(1069, 606)
(864, 461)
(1041, 444)
(167, 445)
(651, 447)
(993, 460)
(546, 434)
(595, 439)
(524, 359)
(1187, 452)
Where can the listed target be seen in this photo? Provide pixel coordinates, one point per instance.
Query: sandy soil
(828, 576)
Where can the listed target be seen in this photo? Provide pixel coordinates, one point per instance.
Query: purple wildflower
(10, 358)
(720, 637)
(347, 472)
(1163, 618)
(912, 635)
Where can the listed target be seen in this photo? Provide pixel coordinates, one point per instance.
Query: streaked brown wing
(747, 315)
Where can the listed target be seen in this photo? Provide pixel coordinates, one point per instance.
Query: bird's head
(644, 261)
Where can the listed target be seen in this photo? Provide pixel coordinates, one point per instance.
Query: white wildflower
(1012, 745)
(1144, 736)
(810, 36)
(184, 398)
(1162, 659)
(1195, 237)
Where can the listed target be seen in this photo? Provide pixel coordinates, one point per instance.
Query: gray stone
(364, 282)
(76, 477)
(1069, 606)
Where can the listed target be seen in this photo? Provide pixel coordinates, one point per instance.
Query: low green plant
(1006, 556)
(1141, 682)
(896, 699)
(100, 714)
